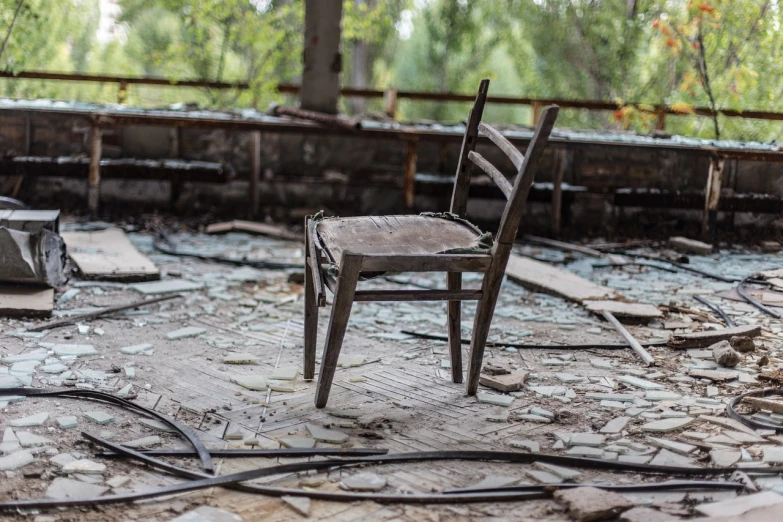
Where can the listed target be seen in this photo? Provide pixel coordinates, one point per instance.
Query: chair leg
(485, 308)
(455, 331)
(350, 268)
(310, 322)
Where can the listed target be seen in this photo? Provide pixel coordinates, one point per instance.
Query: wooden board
(708, 337)
(621, 309)
(109, 255)
(765, 297)
(541, 277)
(252, 227)
(20, 301)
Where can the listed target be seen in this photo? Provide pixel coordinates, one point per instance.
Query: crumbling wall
(350, 174)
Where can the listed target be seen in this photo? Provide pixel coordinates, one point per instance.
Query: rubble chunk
(76, 350)
(509, 382)
(587, 504)
(241, 358)
(118, 481)
(586, 439)
(299, 504)
(564, 473)
(742, 343)
(739, 505)
(186, 332)
(725, 458)
(251, 382)
(67, 421)
(640, 383)
(690, 246)
(143, 442)
(99, 417)
(84, 466)
(16, 460)
(297, 443)
(27, 439)
(363, 482)
(530, 445)
(33, 420)
(322, 434)
(492, 398)
(64, 488)
(208, 514)
(136, 349)
(669, 458)
(666, 425)
(725, 355)
(645, 514)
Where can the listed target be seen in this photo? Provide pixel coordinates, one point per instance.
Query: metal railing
(391, 96)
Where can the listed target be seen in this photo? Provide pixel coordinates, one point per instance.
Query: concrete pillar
(322, 60)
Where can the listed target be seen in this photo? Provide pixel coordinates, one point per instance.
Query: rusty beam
(409, 176)
(712, 195)
(595, 105)
(127, 80)
(94, 172)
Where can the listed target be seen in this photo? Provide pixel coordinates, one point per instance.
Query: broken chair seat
(395, 235)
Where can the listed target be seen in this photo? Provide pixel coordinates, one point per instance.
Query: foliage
(638, 53)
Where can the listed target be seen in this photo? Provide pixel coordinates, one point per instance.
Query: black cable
(437, 337)
(750, 299)
(202, 481)
(717, 309)
(158, 244)
(259, 453)
(186, 432)
(756, 425)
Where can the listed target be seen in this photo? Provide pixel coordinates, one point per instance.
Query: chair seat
(400, 235)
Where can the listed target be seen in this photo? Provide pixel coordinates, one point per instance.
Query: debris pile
(566, 412)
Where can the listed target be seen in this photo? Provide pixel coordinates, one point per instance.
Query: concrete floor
(400, 384)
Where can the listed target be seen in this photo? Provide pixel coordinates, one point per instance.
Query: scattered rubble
(587, 504)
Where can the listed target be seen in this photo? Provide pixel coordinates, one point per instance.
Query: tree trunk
(322, 60)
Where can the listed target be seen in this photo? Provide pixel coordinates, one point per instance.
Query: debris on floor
(220, 354)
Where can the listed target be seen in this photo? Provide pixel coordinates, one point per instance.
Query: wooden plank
(562, 245)
(506, 146)
(708, 337)
(764, 404)
(490, 170)
(541, 277)
(426, 263)
(252, 227)
(640, 351)
(417, 295)
(18, 301)
(108, 254)
(621, 309)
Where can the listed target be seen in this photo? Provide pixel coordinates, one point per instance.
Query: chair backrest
(526, 164)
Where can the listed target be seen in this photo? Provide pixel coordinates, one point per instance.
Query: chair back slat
(506, 146)
(515, 207)
(496, 176)
(459, 197)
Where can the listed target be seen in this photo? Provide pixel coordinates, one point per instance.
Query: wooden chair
(423, 243)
